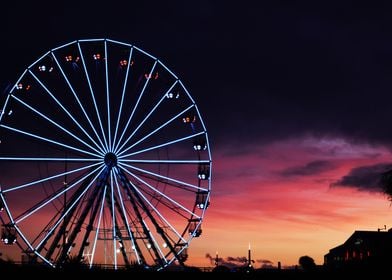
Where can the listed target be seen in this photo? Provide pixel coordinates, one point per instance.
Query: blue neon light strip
(108, 97)
(20, 219)
(18, 230)
(159, 214)
(161, 145)
(54, 98)
(155, 130)
(130, 234)
(56, 124)
(98, 226)
(93, 97)
(165, 161)
(158, 191)
(74, 203)
(2, 112)
(49, 159)
(147, 116)
(47, 140)
(113, 219)
(122, 97)
(165, 177)
(156, 245)
(134, 108)
(49, 178)
(82, 108)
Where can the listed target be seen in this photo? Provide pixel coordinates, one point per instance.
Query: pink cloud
(289, 216)
(278, 197)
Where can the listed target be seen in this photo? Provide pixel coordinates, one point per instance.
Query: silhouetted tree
(386, 184)
(221, 268)
(307, 263)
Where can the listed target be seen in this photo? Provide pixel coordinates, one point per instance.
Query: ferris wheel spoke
(56, 124)
(114, 221)
(84, 209)
(135, 107)
(93, 97)
(165, 178)
(2, 112)
(55, 99)
(82, 108)
(153, 196)
(73, 203)
(156, 130)
(157, 226)
(147, 116)
(154, 244)
(126, 222)
(162, 145)
(49, 178)
(50, 159)
(48, 200)
(48, 140)
(159, 192)
(108, 101)
(169, 161)
(90, 226)
(158, 213)
(129, 188)
(122, 98)
(98, 226)
(117, 234)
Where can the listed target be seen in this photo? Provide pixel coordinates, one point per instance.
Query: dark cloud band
(365, 178)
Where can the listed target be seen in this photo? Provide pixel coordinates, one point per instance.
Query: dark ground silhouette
(350, 271)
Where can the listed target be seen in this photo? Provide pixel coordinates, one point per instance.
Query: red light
(189, 119)
(149, 76)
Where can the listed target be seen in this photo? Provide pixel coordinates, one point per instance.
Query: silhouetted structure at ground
(320, 272)
(363, 249)
(364, 254)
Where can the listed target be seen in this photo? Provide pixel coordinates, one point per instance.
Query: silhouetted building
(362, 248)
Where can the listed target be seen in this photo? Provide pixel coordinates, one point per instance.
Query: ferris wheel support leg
(128, 189)
(94, 197)
(158, 229)
(123, 215)
(118, 232)
(66, 220)
(90, 224)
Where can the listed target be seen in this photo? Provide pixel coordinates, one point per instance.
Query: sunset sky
(296, 99)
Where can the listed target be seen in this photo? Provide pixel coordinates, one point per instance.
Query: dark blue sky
(258, 71)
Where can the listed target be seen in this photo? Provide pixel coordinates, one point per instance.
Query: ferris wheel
(105, 159)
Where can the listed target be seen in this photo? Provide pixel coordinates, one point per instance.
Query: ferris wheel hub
(110, 160)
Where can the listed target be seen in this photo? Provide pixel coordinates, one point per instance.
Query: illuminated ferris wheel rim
(110, 156)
